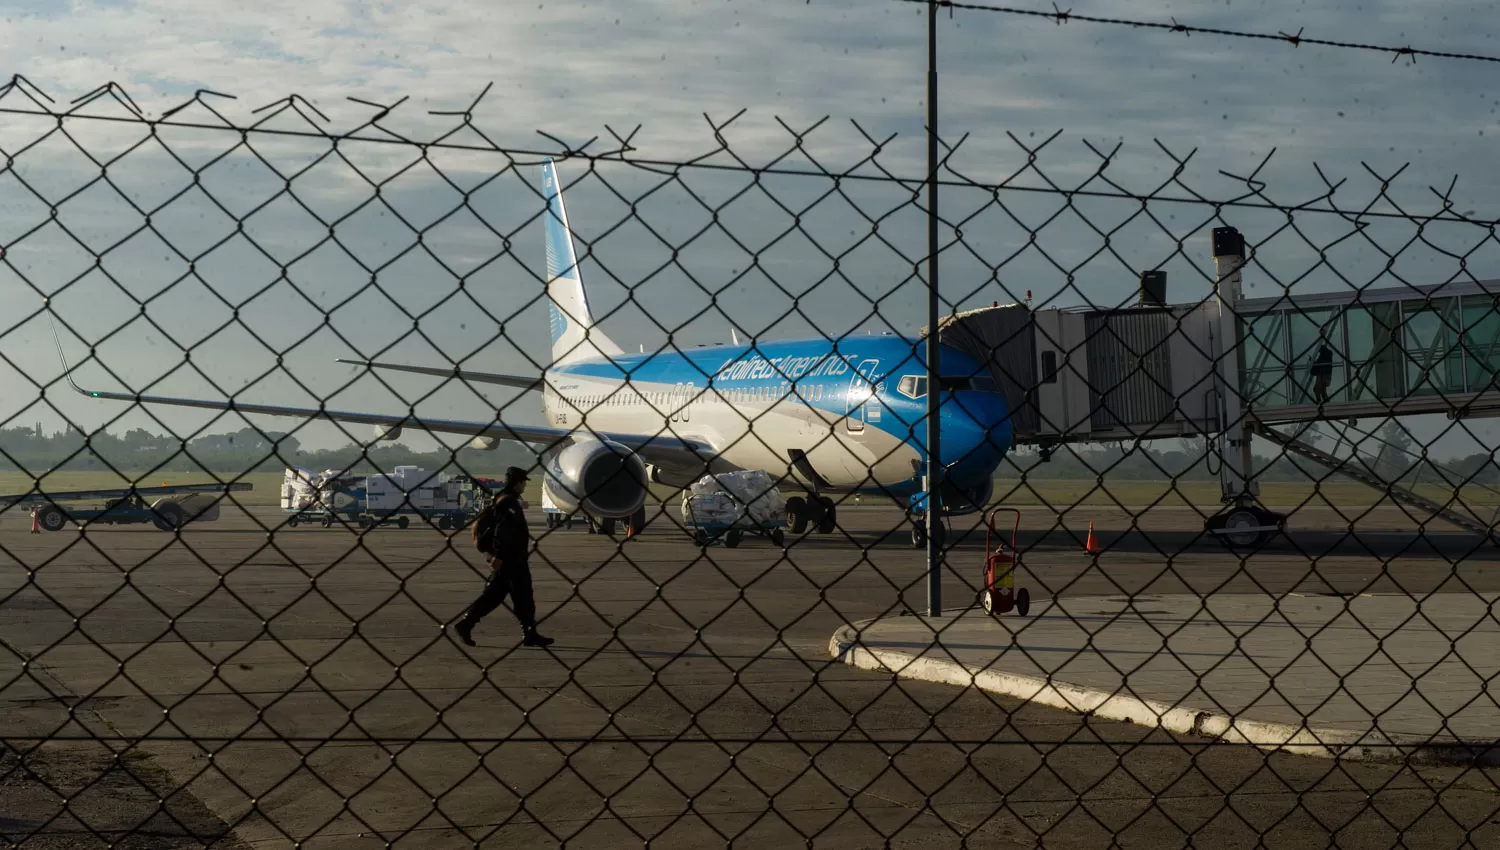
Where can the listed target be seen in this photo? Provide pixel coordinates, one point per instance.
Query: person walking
(501, 534)
(1322, 371)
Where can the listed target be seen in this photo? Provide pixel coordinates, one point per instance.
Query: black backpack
(484, 529)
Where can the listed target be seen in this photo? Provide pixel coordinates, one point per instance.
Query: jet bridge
(1227, 367)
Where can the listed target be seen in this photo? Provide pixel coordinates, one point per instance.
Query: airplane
(837, 416)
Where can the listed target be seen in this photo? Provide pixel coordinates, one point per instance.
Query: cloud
(570, 69)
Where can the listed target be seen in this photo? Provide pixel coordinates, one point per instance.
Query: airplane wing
(663, 449)
(645, 444)
(522, 381)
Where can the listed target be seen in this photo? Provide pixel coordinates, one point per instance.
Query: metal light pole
(934, 516)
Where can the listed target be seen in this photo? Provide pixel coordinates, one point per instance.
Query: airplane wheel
(1023, 602)
(1247, 539)
(170, 517)
(607, 527)
(51, 518)
(829, 520)
(796, 514)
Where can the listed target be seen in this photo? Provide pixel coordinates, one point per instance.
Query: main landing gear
(818, 512)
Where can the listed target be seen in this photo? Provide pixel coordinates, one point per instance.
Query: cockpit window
(915, 386)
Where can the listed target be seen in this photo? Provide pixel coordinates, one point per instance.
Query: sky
(1036, 104)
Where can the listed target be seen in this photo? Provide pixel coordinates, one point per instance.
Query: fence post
(934, 517)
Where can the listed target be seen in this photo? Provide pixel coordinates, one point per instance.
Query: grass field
(267, 485)
(1032, 492)
(1338, 493)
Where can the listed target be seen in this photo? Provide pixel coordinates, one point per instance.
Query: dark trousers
(1320, 387)
(507, 579)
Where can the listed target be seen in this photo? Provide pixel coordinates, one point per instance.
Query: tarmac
(1371, 676)
(245, 685)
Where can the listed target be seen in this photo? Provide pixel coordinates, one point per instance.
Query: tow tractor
(129, 506)
(999, 596)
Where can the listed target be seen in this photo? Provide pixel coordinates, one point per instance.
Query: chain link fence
(1219, 497)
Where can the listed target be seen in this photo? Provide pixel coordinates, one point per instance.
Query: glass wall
(1434, 362)
(1384, 351)
(1481, 342)
(1373, 354)
(1317, 340)
(1265, 380)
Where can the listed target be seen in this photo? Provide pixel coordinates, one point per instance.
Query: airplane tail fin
(574, 336)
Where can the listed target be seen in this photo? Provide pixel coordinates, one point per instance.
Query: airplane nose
(976, 430)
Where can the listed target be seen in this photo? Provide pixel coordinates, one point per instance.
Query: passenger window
(1049, 367)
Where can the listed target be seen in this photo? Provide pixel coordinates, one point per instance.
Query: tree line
(137, 450)
(1394, 455)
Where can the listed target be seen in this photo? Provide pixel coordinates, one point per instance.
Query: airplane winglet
(67, 370)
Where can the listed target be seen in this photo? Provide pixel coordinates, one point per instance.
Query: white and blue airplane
(831, 416)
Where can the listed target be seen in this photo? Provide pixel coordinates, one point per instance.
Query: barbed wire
(1253, 197)
(1297, 39)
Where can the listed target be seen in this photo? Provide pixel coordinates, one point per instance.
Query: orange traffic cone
(1092, 545)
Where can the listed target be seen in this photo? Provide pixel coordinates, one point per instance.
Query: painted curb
(1299, 739)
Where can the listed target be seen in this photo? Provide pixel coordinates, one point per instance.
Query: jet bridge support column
(1242, 522)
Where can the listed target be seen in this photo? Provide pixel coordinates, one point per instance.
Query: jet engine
(603, 479)
(387, 432)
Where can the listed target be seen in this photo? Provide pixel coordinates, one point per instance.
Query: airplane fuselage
(855, 411)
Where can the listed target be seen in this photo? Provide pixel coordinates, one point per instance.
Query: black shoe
(465, 630)
(534, 639)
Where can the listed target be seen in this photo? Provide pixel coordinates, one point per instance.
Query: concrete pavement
(1367, 676)
(297, 689)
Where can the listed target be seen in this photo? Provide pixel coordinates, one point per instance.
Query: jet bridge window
(1049, 367)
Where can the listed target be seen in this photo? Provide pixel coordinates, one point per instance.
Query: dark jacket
(510, 539)
(1322, 363)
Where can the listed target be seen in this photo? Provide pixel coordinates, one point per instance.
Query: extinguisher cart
(999, 596)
